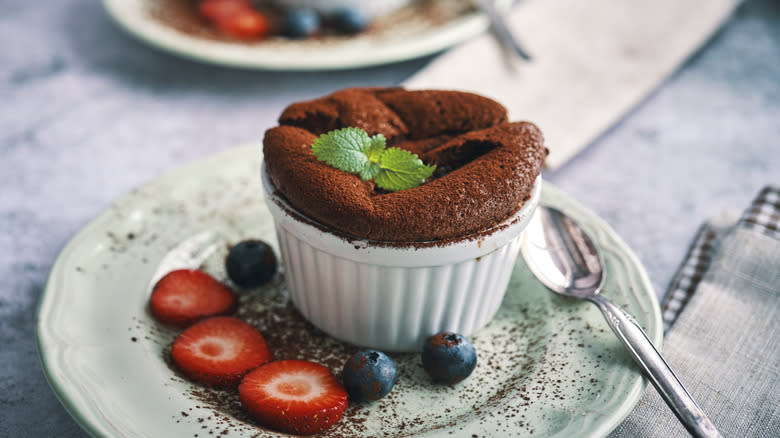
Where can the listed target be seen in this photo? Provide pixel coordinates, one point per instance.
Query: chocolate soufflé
(486, 165)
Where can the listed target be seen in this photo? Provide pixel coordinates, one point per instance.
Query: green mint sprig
(353, 151)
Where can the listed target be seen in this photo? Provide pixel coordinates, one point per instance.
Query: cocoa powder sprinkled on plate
(523, 361)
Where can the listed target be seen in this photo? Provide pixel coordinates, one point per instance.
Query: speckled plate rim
(354, 52)
(75, 388)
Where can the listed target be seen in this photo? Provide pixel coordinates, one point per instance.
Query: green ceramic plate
(548, 367)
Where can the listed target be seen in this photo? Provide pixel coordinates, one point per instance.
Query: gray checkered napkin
(721, 315)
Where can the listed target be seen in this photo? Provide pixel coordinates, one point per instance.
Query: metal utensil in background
(502, 30)
(564, 258)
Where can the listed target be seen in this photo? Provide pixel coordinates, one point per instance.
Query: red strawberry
(185, 296)
(246, 25)
(219, 351)
(218, 10)
(293, 396)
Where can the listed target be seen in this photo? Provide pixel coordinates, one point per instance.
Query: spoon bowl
(561, 255)
(565, 259)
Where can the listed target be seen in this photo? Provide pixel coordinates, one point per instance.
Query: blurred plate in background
(421, 28)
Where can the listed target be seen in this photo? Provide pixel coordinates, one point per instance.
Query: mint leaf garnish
(374, 150)
(353, 151)
(375, 147)
(401, 170)
(371, 171)
(344, 149)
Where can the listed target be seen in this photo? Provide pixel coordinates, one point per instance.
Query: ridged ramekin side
(393, 308)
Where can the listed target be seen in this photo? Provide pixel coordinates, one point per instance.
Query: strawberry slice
(185, 296)
(219, 351)
(247, 25)
(218, 10)
(293, 396)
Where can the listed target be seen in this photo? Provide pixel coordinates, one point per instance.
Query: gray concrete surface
(87, 113)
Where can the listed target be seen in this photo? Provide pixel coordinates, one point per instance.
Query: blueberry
(300, 23)
(250, 263)
(448, 357)
(368, 375)
(347, 20)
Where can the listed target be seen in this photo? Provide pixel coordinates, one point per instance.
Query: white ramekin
(392, 298)
(371, 8)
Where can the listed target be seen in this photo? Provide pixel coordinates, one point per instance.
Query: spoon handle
(663, 378)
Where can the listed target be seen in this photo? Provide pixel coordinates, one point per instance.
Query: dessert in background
(255, 20)
(252, 22)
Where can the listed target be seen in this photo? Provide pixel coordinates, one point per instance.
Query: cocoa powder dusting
(522, 362)
(538, 354)
(486, 165)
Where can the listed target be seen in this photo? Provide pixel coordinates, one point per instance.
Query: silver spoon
(564, 258)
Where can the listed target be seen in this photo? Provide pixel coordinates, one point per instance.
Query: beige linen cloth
(593, 60)
(723, 341)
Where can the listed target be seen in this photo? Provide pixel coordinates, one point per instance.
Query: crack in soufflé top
(486, 166)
